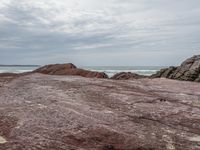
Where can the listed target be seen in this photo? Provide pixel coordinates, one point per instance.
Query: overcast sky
(99, 32)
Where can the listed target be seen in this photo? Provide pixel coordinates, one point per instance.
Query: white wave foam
(110, 72)
(113, 72)
(14, 71)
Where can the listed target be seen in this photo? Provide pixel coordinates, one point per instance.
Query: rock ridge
(189, 70)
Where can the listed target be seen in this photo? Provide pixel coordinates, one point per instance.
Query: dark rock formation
(127, 76)
(69, 69)
(45, 112)
(188, 71)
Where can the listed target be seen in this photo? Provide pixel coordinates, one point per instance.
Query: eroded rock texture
(43, 112)
(69, 69)
(188, 71)
(127, 76)
(6, 77)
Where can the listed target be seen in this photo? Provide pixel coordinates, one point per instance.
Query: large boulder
(69, 69)
(189, 70)
(127, 76)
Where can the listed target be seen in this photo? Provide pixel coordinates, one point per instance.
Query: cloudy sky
(98, 32)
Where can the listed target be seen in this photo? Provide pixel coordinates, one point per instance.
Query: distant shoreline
(19, 65)
(109, 70)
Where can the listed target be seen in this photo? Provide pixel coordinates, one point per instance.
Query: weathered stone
(69, 69)
(188, 71)
(45, 112)
(127, 76)
(57, 69)
(168, 72)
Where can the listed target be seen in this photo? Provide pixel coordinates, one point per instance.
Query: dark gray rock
(189, 70)
(127, 76)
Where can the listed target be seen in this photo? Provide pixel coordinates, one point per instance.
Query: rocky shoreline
(62, 107)
(69, 69)
(50, 112)
(189, 70)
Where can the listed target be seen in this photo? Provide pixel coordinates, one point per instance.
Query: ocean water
(17, 69)
(109, 70)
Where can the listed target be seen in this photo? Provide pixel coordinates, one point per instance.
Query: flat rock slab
(43, 112)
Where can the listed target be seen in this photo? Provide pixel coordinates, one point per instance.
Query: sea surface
(17, 69)
(109, 70)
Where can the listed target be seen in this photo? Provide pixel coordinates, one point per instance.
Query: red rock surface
(6, 77)
(69, 69)
(43, 112)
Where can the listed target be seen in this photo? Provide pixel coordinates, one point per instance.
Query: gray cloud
(93, 32)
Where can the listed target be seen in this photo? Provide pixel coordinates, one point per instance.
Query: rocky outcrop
(69, 69)
(188, 71)
(45, 112)
(127, 76)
